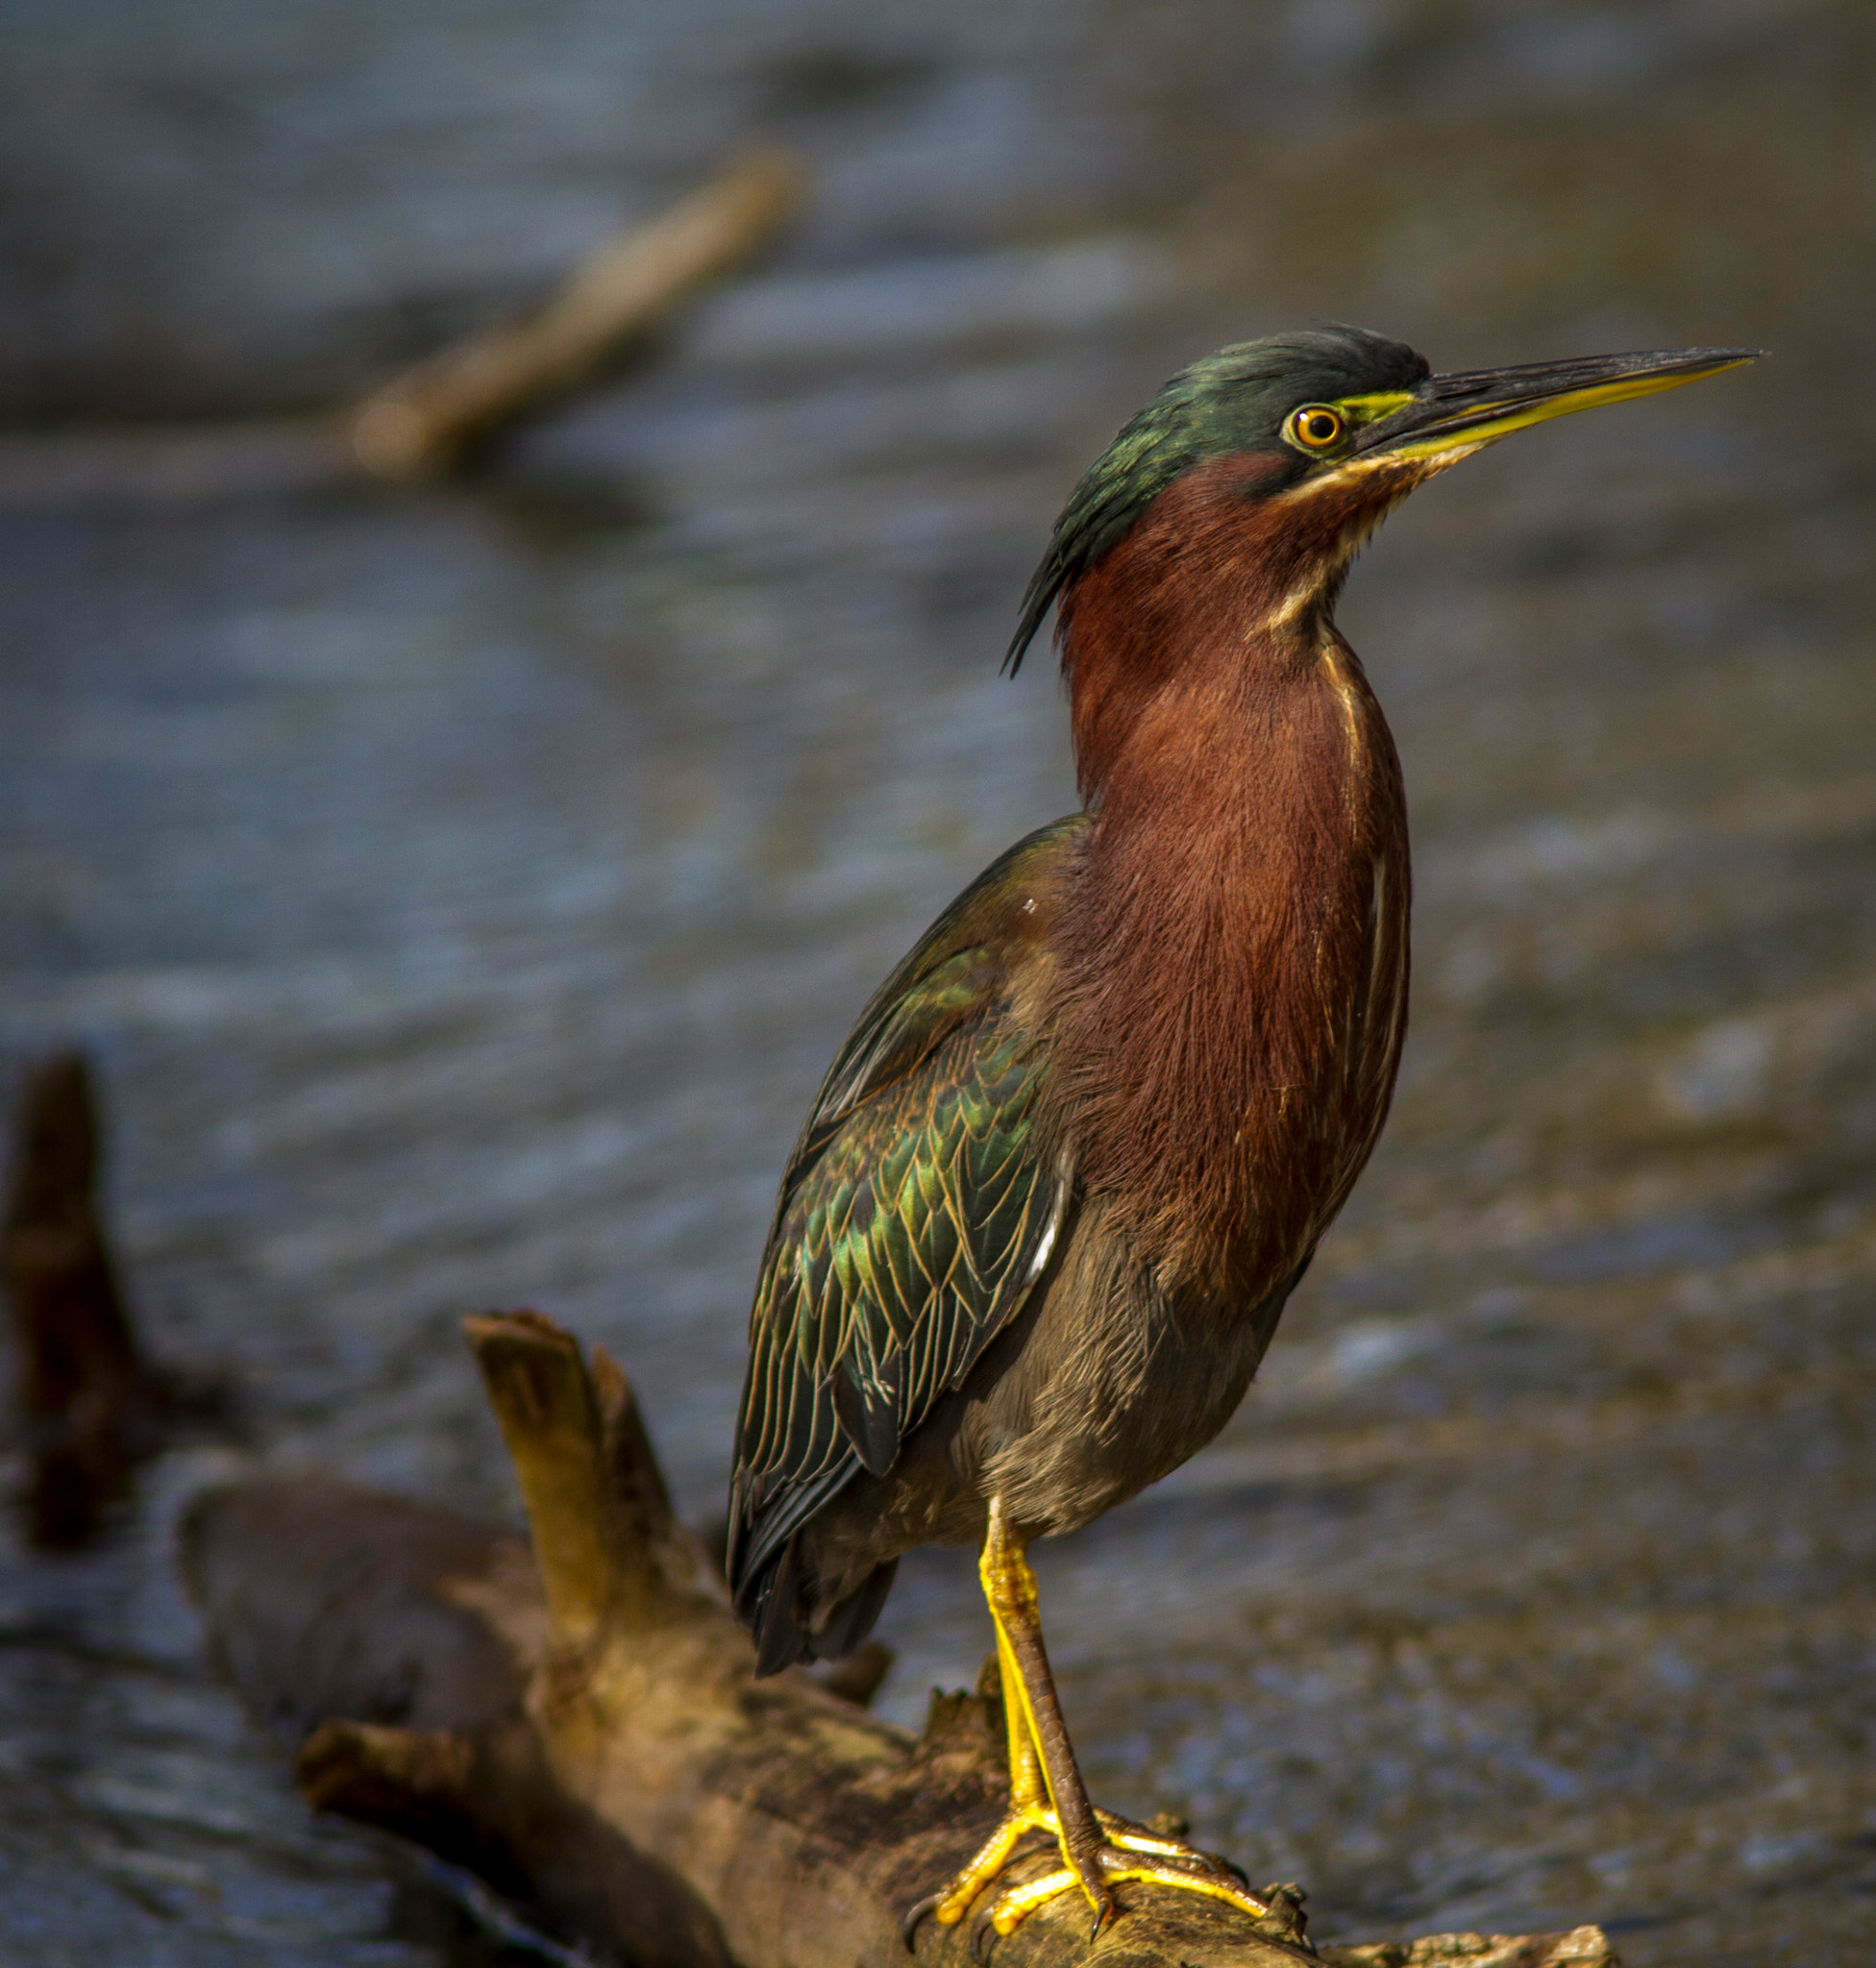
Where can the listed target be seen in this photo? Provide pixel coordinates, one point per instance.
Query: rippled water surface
(461, 892)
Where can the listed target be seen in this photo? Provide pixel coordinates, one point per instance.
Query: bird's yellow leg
(1046, 1793)
(1030, 1808)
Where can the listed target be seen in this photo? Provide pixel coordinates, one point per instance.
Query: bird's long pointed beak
(1459, 413)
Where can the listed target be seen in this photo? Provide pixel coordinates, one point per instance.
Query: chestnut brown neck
(1232, 963)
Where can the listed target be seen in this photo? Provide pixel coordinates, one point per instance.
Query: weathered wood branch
(427, 421)
(582, 1727)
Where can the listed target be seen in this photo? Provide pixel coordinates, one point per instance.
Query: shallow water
(462, 892)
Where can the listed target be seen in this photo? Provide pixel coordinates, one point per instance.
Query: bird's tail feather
(785, 1631)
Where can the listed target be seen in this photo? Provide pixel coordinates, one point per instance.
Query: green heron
(1082, 1144)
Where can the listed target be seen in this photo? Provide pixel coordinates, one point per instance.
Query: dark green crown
(1235, 399)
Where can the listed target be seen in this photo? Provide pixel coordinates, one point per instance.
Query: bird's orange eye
(1316, 426)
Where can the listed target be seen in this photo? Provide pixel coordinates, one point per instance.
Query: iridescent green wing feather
(917, 1212)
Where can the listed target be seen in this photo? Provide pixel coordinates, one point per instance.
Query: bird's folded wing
(915, 1215)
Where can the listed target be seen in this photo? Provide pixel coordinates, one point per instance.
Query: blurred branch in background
(433, 419)
(430, 421)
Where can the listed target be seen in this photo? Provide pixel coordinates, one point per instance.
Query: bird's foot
(950, 1903)
(1126, 1851)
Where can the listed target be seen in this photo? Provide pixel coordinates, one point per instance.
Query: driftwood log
(578, 1724)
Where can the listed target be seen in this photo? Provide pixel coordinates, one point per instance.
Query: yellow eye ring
(1316, 427)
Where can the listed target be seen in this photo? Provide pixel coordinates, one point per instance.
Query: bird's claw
(909, 1926)
(1285, 1901)
(982, 1933)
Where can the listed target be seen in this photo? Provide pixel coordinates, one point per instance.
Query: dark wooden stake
(91, 1407)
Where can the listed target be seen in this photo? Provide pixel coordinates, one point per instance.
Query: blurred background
(463, 890)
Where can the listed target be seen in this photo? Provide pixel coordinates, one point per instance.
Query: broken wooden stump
(581, 1725)
(90, 1404)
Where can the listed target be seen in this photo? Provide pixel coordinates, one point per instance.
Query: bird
(1044, 1213)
